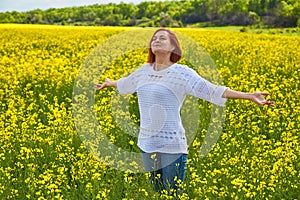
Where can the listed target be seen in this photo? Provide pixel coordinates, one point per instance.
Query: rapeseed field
(42, 156)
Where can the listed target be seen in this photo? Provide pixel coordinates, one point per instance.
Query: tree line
(174, 13)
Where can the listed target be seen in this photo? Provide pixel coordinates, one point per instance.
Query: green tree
(34, 16)
(168, 13)
(52, 15)
(6, 17)
(112, 20)
(165, 19)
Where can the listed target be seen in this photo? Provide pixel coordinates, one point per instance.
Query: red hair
(175, 54)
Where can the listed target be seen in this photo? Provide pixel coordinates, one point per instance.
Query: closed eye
(160, 38)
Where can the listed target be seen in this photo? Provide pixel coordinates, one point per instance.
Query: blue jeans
(167, 171)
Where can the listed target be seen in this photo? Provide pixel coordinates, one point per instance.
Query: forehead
(161, 33)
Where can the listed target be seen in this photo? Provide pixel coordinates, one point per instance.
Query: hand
(259, 98)
(107, 83)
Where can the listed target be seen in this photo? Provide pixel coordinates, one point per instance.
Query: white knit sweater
(160, 97)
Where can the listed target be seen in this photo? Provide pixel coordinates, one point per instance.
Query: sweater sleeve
(128, 84)
(202, 88)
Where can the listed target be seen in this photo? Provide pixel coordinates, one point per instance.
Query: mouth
(157, 45)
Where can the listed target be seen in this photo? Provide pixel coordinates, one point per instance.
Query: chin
(159, 51)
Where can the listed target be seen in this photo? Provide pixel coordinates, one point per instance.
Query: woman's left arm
(256, 97)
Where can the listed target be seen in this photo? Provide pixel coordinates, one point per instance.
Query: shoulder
(141, 69)
(146, 66)
(184, 70)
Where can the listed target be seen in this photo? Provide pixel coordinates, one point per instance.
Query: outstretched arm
(107, 83)
(256, 97)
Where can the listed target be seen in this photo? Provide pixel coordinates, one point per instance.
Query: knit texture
(160, 97)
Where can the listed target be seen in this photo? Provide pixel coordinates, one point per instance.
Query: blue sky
(25, 5)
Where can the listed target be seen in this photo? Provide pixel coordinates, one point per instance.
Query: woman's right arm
(107, 83)
(124, 85)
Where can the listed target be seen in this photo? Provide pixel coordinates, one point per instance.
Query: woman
(162, 86)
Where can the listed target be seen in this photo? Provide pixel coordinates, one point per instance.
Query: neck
(162, 63)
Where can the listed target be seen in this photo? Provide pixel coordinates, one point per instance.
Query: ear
(173, 48)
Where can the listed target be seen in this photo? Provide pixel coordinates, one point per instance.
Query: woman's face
(161, 43)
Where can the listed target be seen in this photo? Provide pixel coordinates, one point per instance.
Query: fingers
(99, 86)
(264, 93)
(270, 103)
(261, 100)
